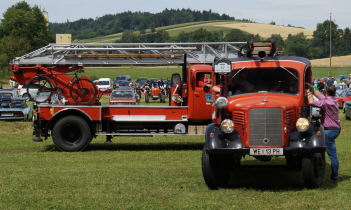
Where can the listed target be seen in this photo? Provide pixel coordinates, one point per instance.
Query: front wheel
(214, 171)
(71, 134)
(313, 170)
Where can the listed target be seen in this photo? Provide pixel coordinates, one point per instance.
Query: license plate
(266, 151)
(7, 114)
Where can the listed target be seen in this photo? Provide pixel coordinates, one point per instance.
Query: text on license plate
(266, 151)
(7, 114)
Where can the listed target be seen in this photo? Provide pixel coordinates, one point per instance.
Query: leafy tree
(278, 40)
(297, 45)
(321, 38)
(23, 25)
(237, 35)
(22, 29)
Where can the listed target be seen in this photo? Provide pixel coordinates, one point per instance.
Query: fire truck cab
(263, 112)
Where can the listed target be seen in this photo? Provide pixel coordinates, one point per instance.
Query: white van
(104, 85)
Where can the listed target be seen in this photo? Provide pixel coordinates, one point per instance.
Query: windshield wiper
(238, 72)
(289, 72)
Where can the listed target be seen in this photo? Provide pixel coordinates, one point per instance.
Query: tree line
(110, 24)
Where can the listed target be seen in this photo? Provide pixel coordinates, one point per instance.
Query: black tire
(214, 171)
(45, 89)
(293, 162)
(313, 170)
(71, 134)
(147, 98)
(83, 91)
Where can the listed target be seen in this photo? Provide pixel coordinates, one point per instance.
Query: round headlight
(227, 126)
(221, 102)
(302, 124)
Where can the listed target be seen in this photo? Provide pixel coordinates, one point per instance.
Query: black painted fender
(217, 140)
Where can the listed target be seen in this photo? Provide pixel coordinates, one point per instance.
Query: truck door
(202, 101)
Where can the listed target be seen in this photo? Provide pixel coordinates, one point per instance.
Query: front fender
(218, 142)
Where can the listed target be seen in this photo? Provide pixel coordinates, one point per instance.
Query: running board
(146, 134)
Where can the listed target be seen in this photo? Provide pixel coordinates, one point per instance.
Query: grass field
(152, 173)
(264, 30)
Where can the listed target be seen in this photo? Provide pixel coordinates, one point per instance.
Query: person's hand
(309, 86)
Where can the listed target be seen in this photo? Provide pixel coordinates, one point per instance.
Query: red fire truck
(262, 111)
(54, 70)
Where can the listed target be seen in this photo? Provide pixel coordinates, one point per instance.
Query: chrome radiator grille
(265, 127)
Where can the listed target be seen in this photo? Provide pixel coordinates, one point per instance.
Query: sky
(302, 13)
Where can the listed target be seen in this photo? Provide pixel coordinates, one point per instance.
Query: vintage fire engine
(262, 111)
(53, 71)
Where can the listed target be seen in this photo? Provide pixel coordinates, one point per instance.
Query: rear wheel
(313, 170)
(215, 170)
(71, 134)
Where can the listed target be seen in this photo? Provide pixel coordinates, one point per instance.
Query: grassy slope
(150, 173)
(337, 61)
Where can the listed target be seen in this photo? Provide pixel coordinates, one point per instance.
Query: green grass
(135, 72)
(151, 173)
(320, 72)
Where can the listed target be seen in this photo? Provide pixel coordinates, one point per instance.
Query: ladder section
(114, 54)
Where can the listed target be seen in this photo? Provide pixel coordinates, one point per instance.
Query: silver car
(13, 107)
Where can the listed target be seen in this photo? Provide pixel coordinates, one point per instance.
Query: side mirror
(207, 89)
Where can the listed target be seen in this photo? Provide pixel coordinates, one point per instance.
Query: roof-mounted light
(261, 49)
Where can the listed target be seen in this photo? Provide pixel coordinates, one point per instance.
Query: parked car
(104, 85)
(347, 109)
(124, 83)
(13, 107)
(123, 96)
(345, 96)
(141, 81)
(121, 78)
(340, 88)
(22, 90)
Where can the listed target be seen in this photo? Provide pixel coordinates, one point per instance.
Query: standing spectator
(330, 121)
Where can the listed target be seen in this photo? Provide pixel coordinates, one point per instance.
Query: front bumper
(219, 143)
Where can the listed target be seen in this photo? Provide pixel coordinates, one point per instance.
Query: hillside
(116, 23)
(338, 61)
(264, 30)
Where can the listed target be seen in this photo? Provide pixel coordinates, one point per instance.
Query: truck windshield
(263, 80)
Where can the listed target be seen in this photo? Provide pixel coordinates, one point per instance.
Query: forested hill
(110, 24)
